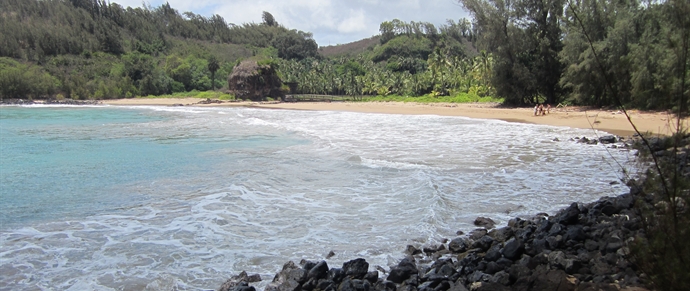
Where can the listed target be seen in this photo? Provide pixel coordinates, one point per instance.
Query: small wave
(380, 164)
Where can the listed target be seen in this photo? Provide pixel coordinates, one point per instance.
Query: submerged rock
(485, 222)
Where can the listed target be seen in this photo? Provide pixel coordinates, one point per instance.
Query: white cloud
(331, 21)
(356, 22)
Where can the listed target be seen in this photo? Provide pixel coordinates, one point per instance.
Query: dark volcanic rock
(489, 286)
(240, 282)
(478, 233)
(583, 246)
(318, 271)
(608, 139)
(575, 233)
(356, 268)
(513, 249)
(412, 250)
(553, 280)
(483, 243)
(458, 245)
(403, 271)
(354, 285)
(494, 253)
(484, 222)
(569, 215)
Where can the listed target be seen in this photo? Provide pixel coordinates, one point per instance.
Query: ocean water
(174, 198)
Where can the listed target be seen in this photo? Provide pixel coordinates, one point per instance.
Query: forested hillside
(93, 49)
(585, 52)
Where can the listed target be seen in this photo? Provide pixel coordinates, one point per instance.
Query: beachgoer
(548, 108)
(536, 107)
(541, 109)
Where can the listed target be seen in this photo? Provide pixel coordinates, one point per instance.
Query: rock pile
(582, 247)
(209, 101)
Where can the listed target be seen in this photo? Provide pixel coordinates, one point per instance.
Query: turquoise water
(72, 162)
(180, 198)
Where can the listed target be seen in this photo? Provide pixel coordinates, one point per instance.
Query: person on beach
(541, 109)
(548, 108)
(536, 107)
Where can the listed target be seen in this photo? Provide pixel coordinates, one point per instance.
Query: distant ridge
(350, 49)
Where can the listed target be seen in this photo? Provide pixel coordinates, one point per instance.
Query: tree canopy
(587, 52)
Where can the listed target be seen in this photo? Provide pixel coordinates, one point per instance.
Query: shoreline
(614, 122)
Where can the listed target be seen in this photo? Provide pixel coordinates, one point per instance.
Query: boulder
(483, 243)
(484, 222)
(356, 268)
(556, 280)
(318, 271)
(488, 286)
(502, 278)
(354, 285)
(513, 249)
(557, 260)
(240, 282)
(569, 215)
(575, 233)
(608, 139)
(403, 271)
(477, 233)
(502, 234)
(412, 250)
(372, 276)
(493, 254)
(458, 245)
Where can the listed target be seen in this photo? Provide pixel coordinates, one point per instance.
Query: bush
(663, 253)
(19, 80)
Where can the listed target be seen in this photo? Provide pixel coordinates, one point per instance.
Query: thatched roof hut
(250, 80)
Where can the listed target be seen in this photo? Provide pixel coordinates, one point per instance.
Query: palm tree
(213, 66)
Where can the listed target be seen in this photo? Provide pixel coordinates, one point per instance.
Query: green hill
(350, 49)
(95, 49)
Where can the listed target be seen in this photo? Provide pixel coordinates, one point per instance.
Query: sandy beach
(611, 121)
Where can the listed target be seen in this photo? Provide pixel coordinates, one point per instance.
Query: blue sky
(331, 21)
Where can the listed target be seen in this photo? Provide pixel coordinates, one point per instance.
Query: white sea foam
(286, 185)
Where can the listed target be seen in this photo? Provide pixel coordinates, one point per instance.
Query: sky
(331, 21)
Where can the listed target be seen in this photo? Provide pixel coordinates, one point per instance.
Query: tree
(213, 66)
(525, 38)
(268, 19)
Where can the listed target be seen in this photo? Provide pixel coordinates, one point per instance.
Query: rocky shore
(582, 247)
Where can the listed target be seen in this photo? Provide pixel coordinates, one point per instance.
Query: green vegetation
(459, 98)
(19, 80)
(662, 253)
(196, 94)
(522, 52)
(591, 52)
(91, 49)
